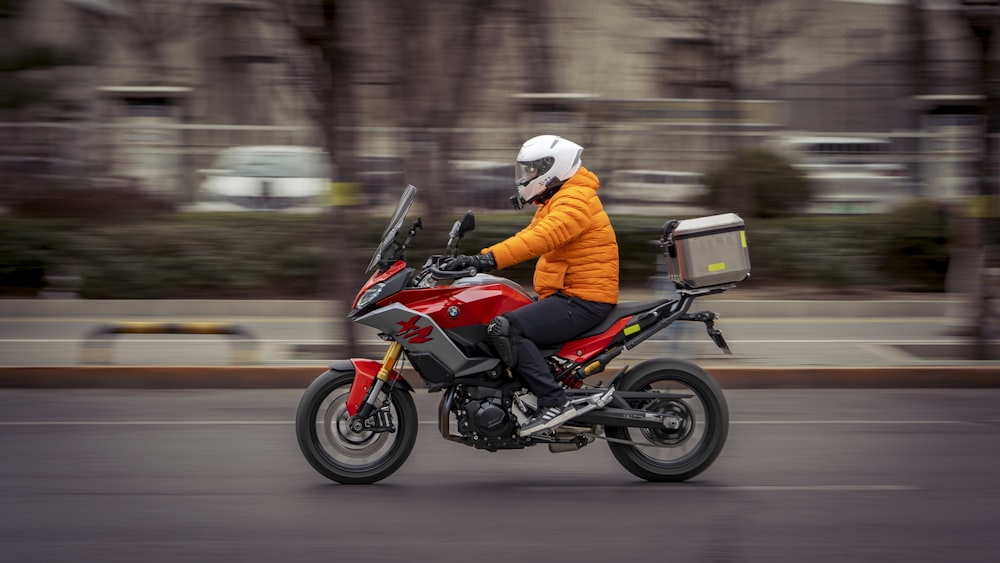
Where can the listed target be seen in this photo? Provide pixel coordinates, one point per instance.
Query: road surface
(215, 475)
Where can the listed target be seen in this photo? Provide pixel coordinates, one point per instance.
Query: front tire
(677, 454)
(341, 454)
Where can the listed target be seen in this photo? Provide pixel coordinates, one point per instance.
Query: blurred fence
(167, 159)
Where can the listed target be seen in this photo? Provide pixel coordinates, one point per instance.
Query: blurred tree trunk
(535, 18)
(324, 28)
(917, 54)
(438, 47)
(984, 28)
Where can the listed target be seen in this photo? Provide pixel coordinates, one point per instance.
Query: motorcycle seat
(622, 310)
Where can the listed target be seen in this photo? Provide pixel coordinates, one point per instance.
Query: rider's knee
(503, 335)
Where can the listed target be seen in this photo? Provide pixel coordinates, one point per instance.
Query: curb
(298, 377)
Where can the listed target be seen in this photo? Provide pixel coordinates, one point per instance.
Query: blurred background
(234, 152)
(173, 143)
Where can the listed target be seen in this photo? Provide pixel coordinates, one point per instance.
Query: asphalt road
(807, 475)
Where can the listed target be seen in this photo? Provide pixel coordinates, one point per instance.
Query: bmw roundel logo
(453, 311)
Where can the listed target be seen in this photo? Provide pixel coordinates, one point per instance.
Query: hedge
(272, 256)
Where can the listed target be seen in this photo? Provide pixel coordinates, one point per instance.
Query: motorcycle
(663, 420)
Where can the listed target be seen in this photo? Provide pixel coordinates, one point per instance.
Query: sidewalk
(767, 364)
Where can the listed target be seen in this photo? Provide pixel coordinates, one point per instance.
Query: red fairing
(378, 277)
(476, 304)
(364, 374)
(586, 348)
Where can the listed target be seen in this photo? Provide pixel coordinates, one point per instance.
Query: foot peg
(593, 402)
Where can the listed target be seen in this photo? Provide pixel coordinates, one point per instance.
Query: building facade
(162, 86)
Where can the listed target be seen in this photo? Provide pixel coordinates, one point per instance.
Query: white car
(851, 193)
(849, 175)
(654, 192)
(266, 178)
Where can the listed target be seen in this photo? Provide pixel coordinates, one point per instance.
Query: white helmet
(545, 162)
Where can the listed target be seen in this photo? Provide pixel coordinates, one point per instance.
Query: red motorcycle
(664, 419)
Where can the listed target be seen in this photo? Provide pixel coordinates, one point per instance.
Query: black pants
(547, 322)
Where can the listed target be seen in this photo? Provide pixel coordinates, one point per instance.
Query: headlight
(370, 295)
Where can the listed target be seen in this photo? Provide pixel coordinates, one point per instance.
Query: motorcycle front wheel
(676, 454)
(341, 454)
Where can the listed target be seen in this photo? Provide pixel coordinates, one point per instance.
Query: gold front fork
(389, 361)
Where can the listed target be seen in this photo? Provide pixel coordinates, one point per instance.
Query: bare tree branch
(737, 33)
(153, 24)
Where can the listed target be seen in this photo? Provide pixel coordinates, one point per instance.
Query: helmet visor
(526, 171)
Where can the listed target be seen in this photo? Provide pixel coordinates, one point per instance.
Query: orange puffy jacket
(574, 241)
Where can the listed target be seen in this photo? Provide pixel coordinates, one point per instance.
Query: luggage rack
(677, 310)
(702, 291)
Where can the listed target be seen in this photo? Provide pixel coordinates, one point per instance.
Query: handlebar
(439, 274)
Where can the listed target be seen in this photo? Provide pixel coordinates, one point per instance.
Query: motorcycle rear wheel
(673, 454)
(345, 456)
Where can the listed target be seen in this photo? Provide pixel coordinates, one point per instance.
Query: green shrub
(29, 249)
(756, 182)
(915, 255)
(275, 256)
(25, 255)
(836, 252)
(110, 203)
(202, 257)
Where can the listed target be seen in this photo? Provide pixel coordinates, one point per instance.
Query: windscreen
(395, 222)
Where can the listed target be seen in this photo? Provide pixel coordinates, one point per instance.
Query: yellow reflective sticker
(743, 238)
(717, 267)
(631, 329)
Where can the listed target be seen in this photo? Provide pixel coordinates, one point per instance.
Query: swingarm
(612, 416)
(611, 408)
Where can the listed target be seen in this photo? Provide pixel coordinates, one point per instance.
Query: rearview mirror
(468, 223)
(459, 229)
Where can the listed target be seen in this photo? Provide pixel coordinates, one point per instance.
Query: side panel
(420, 334)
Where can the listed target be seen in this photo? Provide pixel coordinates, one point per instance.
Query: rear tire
(348, 457)
(673, 455)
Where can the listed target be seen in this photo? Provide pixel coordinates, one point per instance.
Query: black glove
(481, 262)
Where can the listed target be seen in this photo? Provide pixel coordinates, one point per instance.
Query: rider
(576, 276)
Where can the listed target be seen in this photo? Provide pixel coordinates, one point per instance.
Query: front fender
(364, 374)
